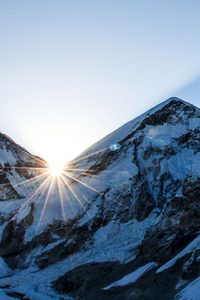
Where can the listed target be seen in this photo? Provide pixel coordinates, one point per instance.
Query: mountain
(122, 222)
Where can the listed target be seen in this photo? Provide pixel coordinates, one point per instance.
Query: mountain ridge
(150, 110)
(127, 224)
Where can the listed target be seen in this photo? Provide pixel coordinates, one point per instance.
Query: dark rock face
(144, 203)
(143, 210)
(85, 278)
(12, 239)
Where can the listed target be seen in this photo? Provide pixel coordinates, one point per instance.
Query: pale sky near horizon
(73, 71)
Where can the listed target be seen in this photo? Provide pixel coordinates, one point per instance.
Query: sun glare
(56, 168)
(59, 180)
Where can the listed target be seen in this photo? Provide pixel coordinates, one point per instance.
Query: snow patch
(194, 245)
(132, 277)
(191, 291)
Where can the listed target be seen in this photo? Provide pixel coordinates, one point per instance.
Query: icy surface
(116, 241)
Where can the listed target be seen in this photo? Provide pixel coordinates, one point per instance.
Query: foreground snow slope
(128, 203)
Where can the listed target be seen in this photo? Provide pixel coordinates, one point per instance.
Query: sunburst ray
(60, 191)
(76, 197)
(87, 156)
(71, 190)
(35, 192)
(81, 182)
(35, 178)
(67, 193)
(46, 201)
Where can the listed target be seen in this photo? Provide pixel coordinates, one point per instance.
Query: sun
(56, 168)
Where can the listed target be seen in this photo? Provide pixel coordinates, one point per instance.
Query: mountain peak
(172, 105)
(174, 98)
(173, 101)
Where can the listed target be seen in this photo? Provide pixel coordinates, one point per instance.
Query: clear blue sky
(73, 71)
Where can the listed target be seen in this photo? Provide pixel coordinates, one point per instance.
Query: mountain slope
(123, 223)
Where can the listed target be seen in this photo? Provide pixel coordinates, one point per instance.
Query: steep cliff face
(123, 222)
(16, 164)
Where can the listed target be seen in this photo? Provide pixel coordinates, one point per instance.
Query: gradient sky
(73, 71)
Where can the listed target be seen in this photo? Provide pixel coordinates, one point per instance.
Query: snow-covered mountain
(123, 222)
